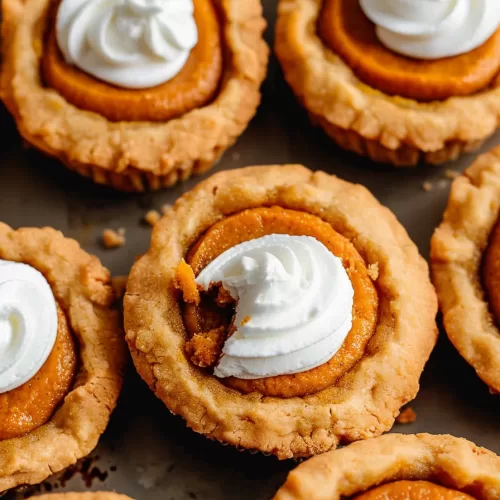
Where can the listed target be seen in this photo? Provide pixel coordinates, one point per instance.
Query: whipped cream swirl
(28, 323)
(129, 43)
(294, 305)
(432, 29)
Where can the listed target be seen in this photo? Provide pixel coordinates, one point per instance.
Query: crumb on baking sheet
(451, 174)
(119, 284)
(152, 217)
(427, 186)
(165, 208)
(373, 271)
(112, 238)
(407, 416)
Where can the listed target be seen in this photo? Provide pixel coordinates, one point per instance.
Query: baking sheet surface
(148, 453)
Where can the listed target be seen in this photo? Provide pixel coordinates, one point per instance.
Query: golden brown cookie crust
(366, 400)
(364, 120)
(98, 495)
(132, 156)
(81, 285)
(457, 249)
(447, 460)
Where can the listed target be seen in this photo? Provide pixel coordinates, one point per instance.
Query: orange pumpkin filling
(208, 318)
(194, 86)
(31, 405)
(413, 490)
(349, 33)
(491, 271)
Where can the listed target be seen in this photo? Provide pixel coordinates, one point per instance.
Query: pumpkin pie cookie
(281, 310)
(61, 354)
(133, 94)
(398, 84)
(398, 467)
(465, 253)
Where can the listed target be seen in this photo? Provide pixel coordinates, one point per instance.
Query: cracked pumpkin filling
(194, 86)
(209, 315)
(346, 30)
(31, 405)
(413, 490)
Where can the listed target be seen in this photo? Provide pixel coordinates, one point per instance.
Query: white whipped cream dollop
(28, 323)
(129, 43)
(294, 305)
(432, 29)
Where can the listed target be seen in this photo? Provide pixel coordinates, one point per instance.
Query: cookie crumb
(373, 271)
(152, 217)
(443, 183)
(407, 416)
(451, 174)
(112, 238)
(119, 284)
(165, 208)
(427, 186)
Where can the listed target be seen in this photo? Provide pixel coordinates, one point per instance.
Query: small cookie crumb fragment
(119, 284)
(185, 281)
(204, 348)
(427, 186)
(451, 174)
(443, 183)
(165, 208)
(224, 298)
(112, 238)
(152, 217)
(373, 271)
(407, 416)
